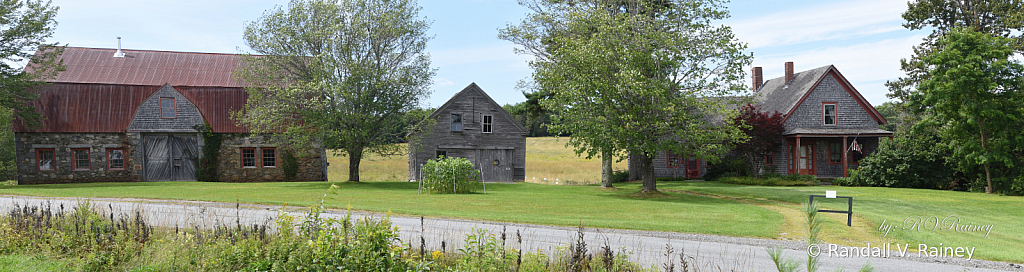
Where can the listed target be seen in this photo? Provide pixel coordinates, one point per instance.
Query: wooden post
(796, 152)
(845, 167)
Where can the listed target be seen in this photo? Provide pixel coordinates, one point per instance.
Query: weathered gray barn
(472, 126)
(132, 118)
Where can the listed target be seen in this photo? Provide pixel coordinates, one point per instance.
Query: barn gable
(471, 125)
(148, 117)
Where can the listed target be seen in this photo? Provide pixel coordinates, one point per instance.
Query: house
(829, 126)
(130, 115)
(472, 126)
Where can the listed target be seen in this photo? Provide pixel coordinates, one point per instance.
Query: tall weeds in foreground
(814, 225)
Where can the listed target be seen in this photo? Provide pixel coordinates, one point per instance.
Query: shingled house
(130, 115)
(829, 126)
(472, 126)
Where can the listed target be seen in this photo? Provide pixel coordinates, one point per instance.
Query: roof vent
(118, 54)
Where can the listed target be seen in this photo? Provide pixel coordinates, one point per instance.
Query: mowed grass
(520, 203)
(893, 206)
(546, 157)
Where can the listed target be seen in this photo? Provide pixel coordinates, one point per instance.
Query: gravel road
(649, 248)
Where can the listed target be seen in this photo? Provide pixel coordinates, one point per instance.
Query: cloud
(442, 81)
(843, 20)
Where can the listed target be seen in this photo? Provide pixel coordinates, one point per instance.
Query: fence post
(420, 190)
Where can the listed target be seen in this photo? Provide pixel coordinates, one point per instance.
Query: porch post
(796, 153)
(845, 173)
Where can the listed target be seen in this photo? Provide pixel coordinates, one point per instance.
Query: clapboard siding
(473, 104)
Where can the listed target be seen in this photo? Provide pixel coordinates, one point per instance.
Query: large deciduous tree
(643, 77)
(341, 72)
(973, 95)
(764, 135)
(24, 27)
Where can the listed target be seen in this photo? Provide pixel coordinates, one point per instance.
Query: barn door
(496, 164)
(170, 157)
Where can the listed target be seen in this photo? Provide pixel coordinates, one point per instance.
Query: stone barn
(472, 126)
(130, 115)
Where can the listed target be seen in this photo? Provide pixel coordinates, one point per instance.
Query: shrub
(449, 175)
(908, 161)
(290, 165)
(728, 167)
(620, 176)
(769, 181)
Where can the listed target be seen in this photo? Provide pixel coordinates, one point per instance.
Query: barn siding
(148, 119)
(473, 104)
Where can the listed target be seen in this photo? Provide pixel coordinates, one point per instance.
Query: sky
(864, 39)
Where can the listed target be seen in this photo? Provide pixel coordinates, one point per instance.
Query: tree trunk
(988, 176)
(633, 166)
(606, 169)
(647, 164)
(984, 146)
(355, 155)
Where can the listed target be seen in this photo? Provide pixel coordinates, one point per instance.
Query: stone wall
(62, 143)
(312, 164)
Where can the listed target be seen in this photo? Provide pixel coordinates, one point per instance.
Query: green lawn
(731, 210)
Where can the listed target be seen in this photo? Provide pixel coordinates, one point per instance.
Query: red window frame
(74, 159)
(668, 160)
(175, 109)
(110, 161)
(53, 159)
(242, 156)
(835, 151)
(263, 157)
(835, 113)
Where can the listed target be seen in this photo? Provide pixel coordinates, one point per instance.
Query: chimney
(118, 54)
(789, 71)
(758, 80)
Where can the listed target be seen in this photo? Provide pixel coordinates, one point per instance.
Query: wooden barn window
(835, 153)
(828, 111)
(269, 156)
(457, 122)
(44, 159)
(168, 108)
(487, 123)
(115, 159)
(248, 157)
(80, 159)
(673, 160)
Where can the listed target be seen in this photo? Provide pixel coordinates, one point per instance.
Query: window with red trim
(44, 159)
(828, 111)
(269, 156)
(80, 159)
(673, 160)
(835, 153)
(248, 157)
(168, 108)
(115, 159)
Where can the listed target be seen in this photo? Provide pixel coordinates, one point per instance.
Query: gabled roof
(474, 88)
(147, 68)
(785, 97)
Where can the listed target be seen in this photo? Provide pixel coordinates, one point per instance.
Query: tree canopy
(764, 135)
(973, 95)
(341, 72)
(642, 77)
(27, 59)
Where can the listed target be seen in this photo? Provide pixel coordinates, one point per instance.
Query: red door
(806, 159)
(692, 168)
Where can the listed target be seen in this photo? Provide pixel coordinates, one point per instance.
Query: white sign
(830, 194)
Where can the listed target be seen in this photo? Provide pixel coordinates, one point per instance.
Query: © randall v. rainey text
(885, 251)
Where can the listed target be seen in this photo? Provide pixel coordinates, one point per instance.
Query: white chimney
(119, 54)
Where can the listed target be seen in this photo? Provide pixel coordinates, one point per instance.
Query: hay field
(546, 157)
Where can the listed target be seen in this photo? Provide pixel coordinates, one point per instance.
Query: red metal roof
(86, 107)
(216, 105)
(148, 68)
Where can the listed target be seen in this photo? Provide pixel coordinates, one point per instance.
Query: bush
(448, 175)
(907, 161)
(620, 176)
(727, 167)
(770, 181)
(290, 166)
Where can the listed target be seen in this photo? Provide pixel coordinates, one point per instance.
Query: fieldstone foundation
(26, 145)
(311, 160)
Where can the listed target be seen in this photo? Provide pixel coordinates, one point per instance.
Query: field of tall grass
(546, 158)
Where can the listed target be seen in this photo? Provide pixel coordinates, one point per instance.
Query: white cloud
(442, 81)
(843, 20)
